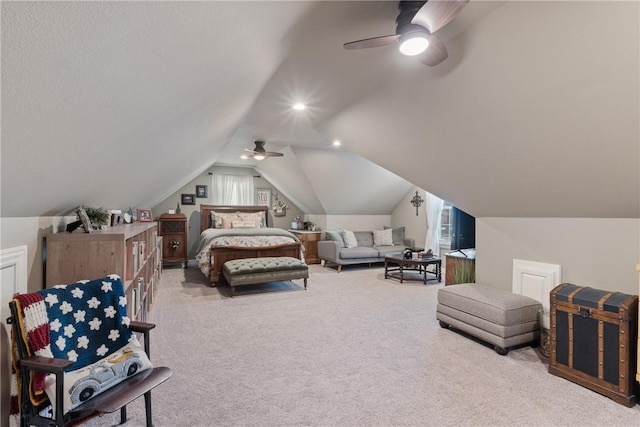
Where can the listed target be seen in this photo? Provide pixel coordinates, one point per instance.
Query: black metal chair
(33, 408)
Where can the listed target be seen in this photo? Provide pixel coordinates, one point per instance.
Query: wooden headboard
(205, 213)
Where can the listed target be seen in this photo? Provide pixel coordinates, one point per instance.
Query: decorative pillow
(84, 383)
(383, 237)
(257, 217)
(335, 236)
(398, 235)
(349, 239)
(226, 218)
(243, 224)
(88, 325)
(216, 221)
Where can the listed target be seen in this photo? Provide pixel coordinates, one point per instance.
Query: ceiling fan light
(413, 43)
(258, 156)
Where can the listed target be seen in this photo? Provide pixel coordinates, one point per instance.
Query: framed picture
(202, 191)
(144, 215)
(263, 197)
(188, 199)
(84, 219)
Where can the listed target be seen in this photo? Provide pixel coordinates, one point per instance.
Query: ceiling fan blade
(435, 53)
(273, 154)
(372, 42)
(435, 14)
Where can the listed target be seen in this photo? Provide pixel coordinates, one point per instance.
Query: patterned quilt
(243, 237)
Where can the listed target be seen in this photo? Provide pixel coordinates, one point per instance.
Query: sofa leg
(339, 268)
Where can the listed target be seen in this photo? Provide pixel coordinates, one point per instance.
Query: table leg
(386, 269)
(401, 274)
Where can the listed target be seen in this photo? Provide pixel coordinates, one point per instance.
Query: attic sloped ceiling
(118, 104)
(535, 115)
(341, 183)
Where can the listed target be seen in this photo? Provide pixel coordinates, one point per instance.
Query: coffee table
(396, 266)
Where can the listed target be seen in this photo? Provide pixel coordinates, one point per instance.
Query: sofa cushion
(334, 236)
(358, 252)
(383, 237)
(349, 238)
(364, 238)
(398, 235)
(386, 250)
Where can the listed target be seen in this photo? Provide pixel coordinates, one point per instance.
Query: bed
(236, 232)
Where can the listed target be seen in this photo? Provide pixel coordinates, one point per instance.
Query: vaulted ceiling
(534, 114)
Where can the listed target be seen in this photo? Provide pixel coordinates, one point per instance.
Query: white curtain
(232, 189)
(433, 208)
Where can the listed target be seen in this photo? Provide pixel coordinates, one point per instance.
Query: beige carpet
(353, 350)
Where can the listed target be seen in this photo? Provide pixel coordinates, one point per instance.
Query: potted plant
(97, 216)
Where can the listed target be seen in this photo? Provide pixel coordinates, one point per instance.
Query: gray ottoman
(249, 271)
(499, 317)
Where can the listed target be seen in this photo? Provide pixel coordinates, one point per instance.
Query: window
(232, 189)
(445, 224)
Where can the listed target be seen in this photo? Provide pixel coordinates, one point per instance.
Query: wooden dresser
(173, 229)
(309, 240)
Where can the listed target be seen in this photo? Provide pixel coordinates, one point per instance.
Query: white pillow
(243, 224)
(94, 379)
(257, 217)
(383, 237)
(226, 218)
(216, 221)
(349, 239)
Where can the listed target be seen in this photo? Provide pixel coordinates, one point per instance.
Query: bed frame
(218, 255)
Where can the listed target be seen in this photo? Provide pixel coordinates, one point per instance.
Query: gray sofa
(332, 250)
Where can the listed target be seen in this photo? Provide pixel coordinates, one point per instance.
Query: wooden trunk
(593, 340)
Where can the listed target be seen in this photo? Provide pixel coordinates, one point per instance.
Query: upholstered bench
(250, 271)
(499, 317)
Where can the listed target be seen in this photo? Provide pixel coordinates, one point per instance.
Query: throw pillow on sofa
(334, 236)
(383, 237)
(398, 235)
(349, 239)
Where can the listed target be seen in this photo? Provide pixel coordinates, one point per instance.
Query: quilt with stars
(84, 322)
(87, 320)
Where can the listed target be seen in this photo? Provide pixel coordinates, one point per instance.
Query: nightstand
(309, 240)
(173, 229)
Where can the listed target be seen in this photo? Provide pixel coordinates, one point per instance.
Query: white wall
(600, 253)
(404, 215)
(31, 232)
(357, 222)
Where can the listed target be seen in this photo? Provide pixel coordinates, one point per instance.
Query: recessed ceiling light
(337, 143)
(299, 106)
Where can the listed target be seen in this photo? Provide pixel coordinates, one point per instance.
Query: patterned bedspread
(244, 237)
